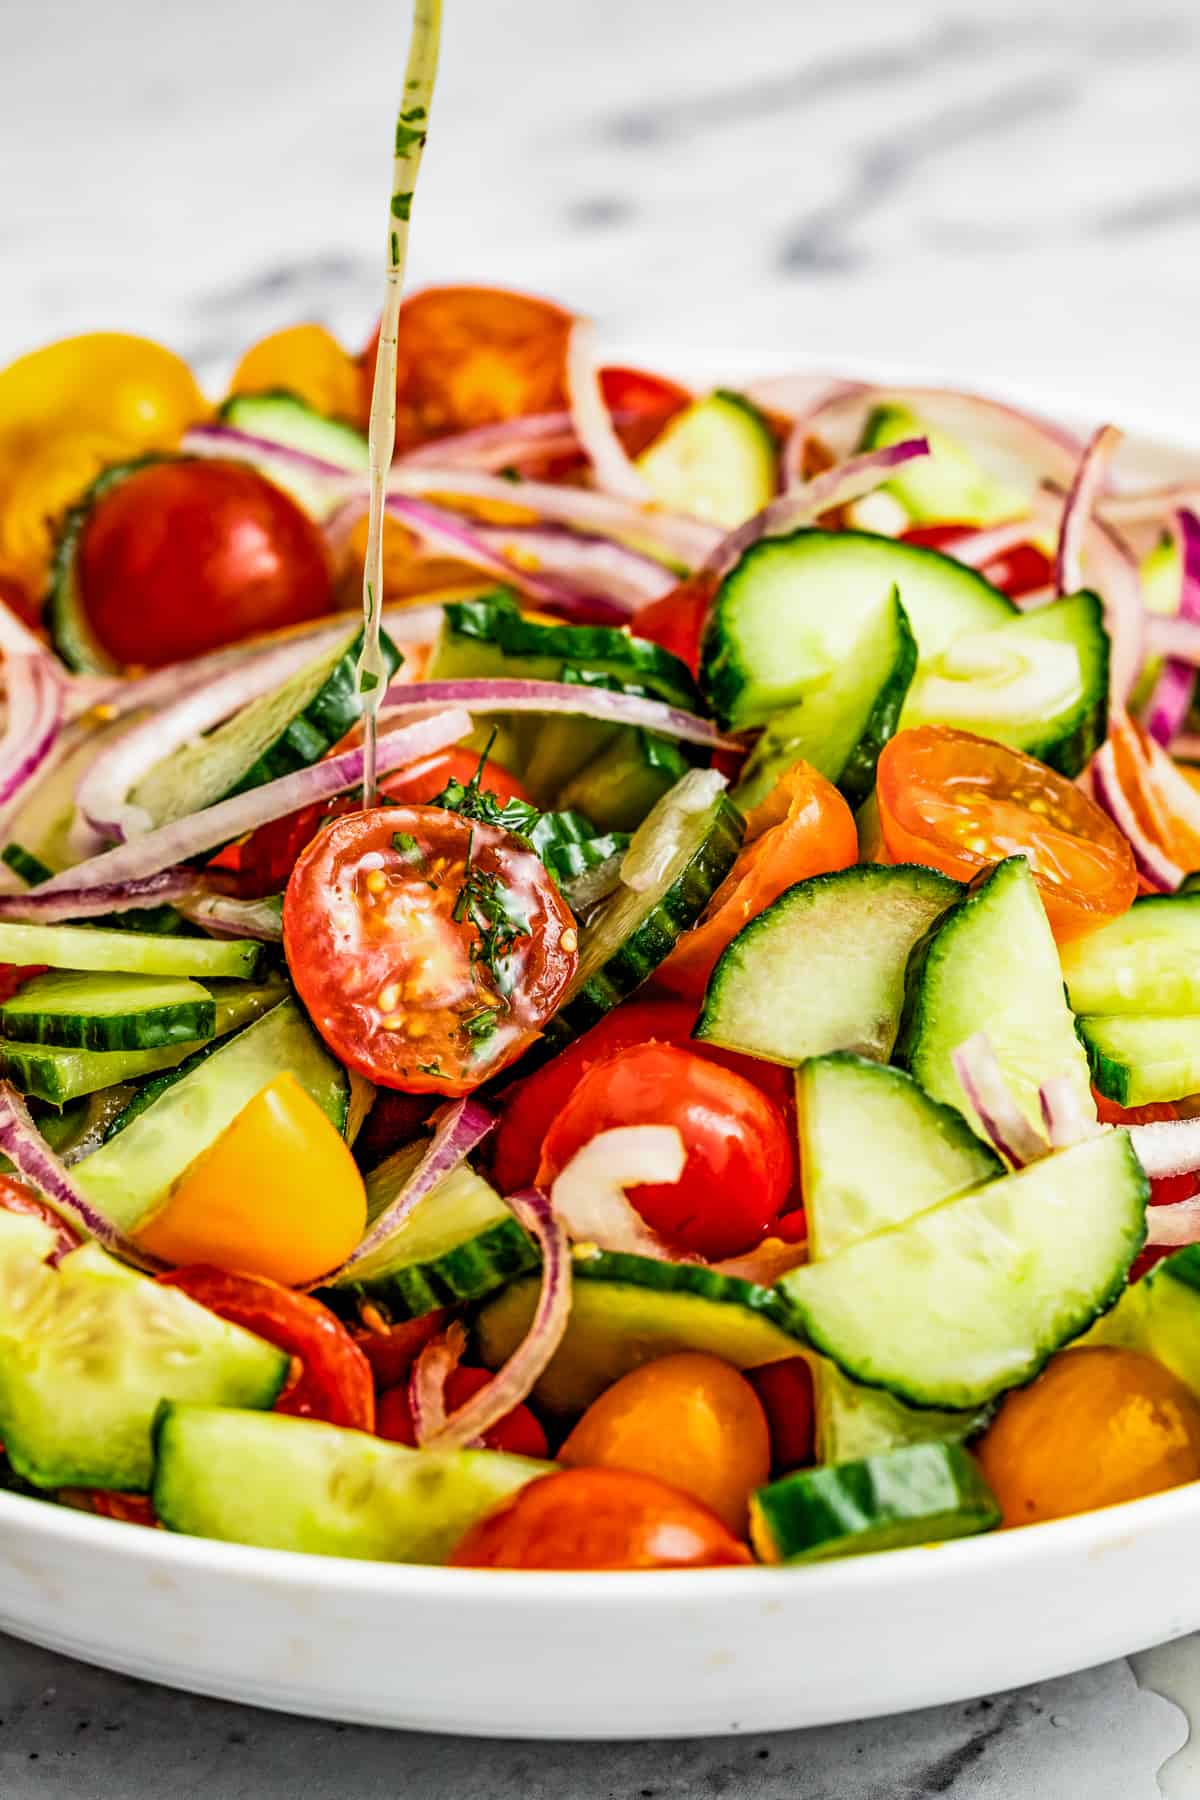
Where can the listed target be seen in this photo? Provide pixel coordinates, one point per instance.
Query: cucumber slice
(822, 968)
(108, 1012)
(1160, 1316)
(1137, 1059)
(459, 1243)
(972, 1296)
(58, 1075)
(87, 1351)
(795, 608)
(129, 1175)
(916, 1494)
(717, 460)
(629, 1310)
(682, 852)
(296, 1484)
(1038, 682)
(618, 789)
(70, 630)
(946, 485)
(992, 965)
(275, 735)
(283, 418)
(127, 952)
(853, 1421)
(1147, 961)
(846, 717)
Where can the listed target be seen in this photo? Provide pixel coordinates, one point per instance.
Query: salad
(669, 1039)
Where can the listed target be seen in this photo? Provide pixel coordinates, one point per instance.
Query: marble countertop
(1004, 189)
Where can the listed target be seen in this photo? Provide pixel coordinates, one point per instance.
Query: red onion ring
(1063, 1112)
(1168, 1147)
(497, 694)
(1171, 698)
(504, 444)
(35, 694)
(589, 1195)
(598, 567)
(1153, 863)
(223, 915)
(1084, 491)
(983, 1083)
(432, 1369)
(614, 471)
(35, 907)
(1176, 1224)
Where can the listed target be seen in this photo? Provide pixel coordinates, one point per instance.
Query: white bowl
(650, 1655)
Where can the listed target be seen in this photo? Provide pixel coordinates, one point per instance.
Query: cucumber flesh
(973, 1295)
(822, 968)
(992, 965)
(846, 717)
(630, 1310)
(70, 629)
(1138, 1059)
(297, 1484)
(108, 1012)
(947, 486)
(127, 952)
(89, 1348)
(915, 1494)
(716, 460)
(283, 418)
(129, 1175)
(1147, 961)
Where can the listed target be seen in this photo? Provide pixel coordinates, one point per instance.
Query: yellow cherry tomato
(49, 479)
(278, 1194)
(142, 393)
(305, 360)
(1099, 1425)
(688, 1419)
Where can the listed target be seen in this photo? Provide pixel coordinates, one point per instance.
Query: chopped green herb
(479, 1026)
(430, 1068)
(406, 845)
(473, 801)
(402, 205)
(367, 681)
(487, 904)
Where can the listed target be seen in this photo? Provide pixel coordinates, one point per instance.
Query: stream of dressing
(411, 128)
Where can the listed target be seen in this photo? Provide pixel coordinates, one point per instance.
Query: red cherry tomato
(13, 976)
(518, 1432)
(739, 1167)
(429, 949)
(533, 1104)
(642, 404)
(182, 557)
(392, 1350)
(599, 1519)
(677, 620)
(1022, 570)
(130, 1509)
(785, 1390)
(18, 599)
(15, 1197)
(334, 1380)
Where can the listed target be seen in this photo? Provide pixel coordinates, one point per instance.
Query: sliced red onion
(32, 1157)
(834, 487)
(983, 1082)
(614, 470)
(263, 453)
(233, 818)
(578, 699)
(431, 1371)
(1153, 863)
(515, 1380)
(35, 694)
(1168, 705)
(589, 1197)
(1112, 571)
(1171, 635)
(1175, 1224)
(978, 548)
(1149, 505)
(1168, 1147)
(596, 565)
(505, 444)
(33, 906)
(1087, 485)
(1064, 1113)
(223, 915)
(461, 1127)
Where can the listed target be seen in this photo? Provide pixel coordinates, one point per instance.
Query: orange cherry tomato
(960, 803)
(468, 356)
(15, 1197)
(518, 1432)
(1098, 1426)
(802, 828)
(740, 1166)
(785, 1389)
(428, 948)
(183, 557)
(599, 1519)
(689, 1419)
(332, 1378)
(305, 360)
(277, 1194)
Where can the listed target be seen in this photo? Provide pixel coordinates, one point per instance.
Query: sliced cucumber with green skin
(1136, 1059)
(795, 608)
(283, 418)
(1147, 961)
(618, 789)
(822, 968)
(296, 1484)
(70, 630)
(848, 715)
(975, 1294)
(854, 1421)
(717, 460)
(129, 953)
(992, 965)
(915, 1494)
(129, 1175)
(58, 1075)
(948, 485)
(459, 1243)
(1160, 1316)
(275, 735)
(629, 1310)
(695, 843)
(89, 1348)
(108, 1012)
(1038, 682)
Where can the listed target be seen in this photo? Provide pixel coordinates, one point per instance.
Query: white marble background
(1003, 190)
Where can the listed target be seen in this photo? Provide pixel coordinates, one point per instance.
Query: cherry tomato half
(334, 1382)
(518, 1432)
(15, 1197)
(182, 557)
(1025, 569)
(785, 1391)
(599, 1519)
(960, 803)
(802, 828)
(429, 950)
(739, 1169)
